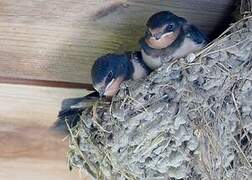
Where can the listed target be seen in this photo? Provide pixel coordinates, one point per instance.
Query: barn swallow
(168, 36)
(107, 74)
(109, 71)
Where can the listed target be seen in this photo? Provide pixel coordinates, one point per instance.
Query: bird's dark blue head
(109, 71)
(162, 29)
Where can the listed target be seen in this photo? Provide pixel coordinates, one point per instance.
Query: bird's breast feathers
(186, 47)
(139, 71)
(165, 40)
(150, 61)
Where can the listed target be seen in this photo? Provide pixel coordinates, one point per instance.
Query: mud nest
(190, 119)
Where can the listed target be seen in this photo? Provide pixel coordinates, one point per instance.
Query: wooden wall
(29, 150)
(60, 39)
(47, 44)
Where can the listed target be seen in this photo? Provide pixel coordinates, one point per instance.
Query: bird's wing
(195, 34)
(137, 57)
(71, 110)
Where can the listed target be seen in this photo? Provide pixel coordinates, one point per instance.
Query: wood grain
(33, 153)
(59, 40)
(31, 105)
(30, 149)
(39, 169)
(46, 83)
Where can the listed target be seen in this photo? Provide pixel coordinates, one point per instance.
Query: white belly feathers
(139, 71)
(187, 47)
(153, 63)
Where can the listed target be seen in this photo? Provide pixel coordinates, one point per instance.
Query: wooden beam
(30, 148)
(46, 83)
(59, 40)
(33, 152)
(39, 169)
(26, 105)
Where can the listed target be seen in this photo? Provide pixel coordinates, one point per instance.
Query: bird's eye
(170, 27)
(109, 77)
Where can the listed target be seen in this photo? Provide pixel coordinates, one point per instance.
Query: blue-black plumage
(71, 110)
(168, 36)
(109, 71)
(107, 74)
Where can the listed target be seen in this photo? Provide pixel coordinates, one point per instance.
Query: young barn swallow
(109, 71)
(107, 74)
(169, 36)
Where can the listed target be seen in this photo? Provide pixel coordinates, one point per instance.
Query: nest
(190, 119)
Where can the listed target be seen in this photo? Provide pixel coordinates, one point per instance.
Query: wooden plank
(33, 153)
(30, 169)
(29, 105)
(47, 83)
(59, 40)
(31, 141)
(30, 149)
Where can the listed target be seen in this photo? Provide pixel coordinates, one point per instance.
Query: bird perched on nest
(109, 71)
(169, 36)
(107, 74)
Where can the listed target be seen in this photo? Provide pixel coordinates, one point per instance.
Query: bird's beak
(159, 41)
(103, 89)
(157, 36)
(110, 89)
(153, 34)
(101, 92)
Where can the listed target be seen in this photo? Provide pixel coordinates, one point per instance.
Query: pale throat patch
(151, 62)
(139, 71)
(165, 40)
(113, 87)
(187, 47)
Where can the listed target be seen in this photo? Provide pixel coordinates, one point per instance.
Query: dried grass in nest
(191, 119)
